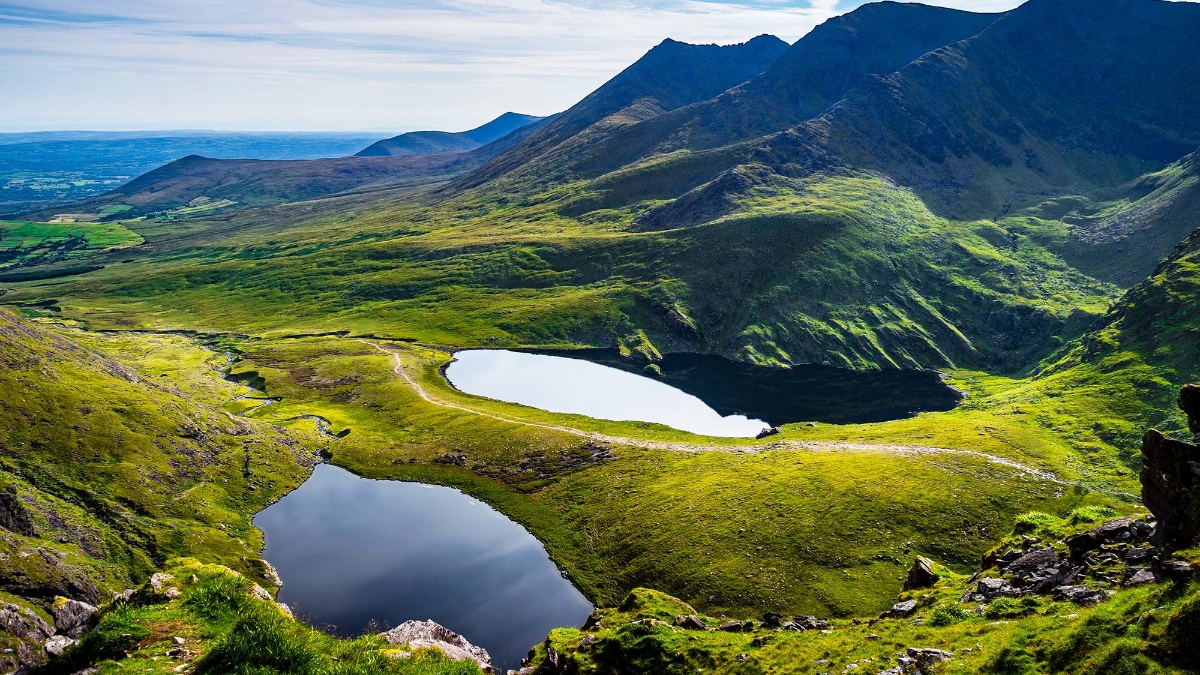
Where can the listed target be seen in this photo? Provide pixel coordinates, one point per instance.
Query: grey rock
(902, 609)
(1176, 569)
(920, 575)
(924, 658)
(418, 634)
(57, 644)
(72, 617)
(1080, 595)
(160, 581)
(21, 622)
(1034, 560)
(731, 626)
(690, 622)
(1140, 577)
(990, 587)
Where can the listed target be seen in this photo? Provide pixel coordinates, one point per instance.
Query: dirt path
(818, 446)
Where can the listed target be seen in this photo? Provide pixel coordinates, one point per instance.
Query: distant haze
(379, 65)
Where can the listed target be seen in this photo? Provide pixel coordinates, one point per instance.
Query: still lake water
(698, 393)
(352, 550)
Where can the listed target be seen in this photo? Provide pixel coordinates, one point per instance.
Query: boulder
(1107, 532)
(731, 626)
(1140, 577)
(1176, 569)
(920, 575)
(772, 620)
(772, 431)
(1171, 489)
(902, 609)
(690, 622)
(72, 617)
(420, 634)
(990, 587)
(1032, 561)
(592, 622)
(1080, 595)
(57, 644)
(924, 658)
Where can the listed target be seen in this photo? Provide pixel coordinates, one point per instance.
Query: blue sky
(347, 65)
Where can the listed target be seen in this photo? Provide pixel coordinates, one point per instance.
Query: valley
(906, 189)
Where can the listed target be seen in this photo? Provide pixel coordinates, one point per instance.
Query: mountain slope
(1123, 239)
(670, 76)
(438, 142)
(984, 125)
(818, 70)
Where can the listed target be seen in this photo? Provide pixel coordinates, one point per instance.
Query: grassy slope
(1150, 629)
(128, 465)
(848, 270)
(225, 629)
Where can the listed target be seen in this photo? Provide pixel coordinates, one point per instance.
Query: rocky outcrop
(425, 634)
(1171, 479)
(14, 517)
(1189, 403)
(22, 623)
(1095, 563)
(72, 617)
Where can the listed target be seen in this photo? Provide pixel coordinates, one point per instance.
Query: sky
(347, 65)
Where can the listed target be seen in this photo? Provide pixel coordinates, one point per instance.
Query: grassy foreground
(206, 618)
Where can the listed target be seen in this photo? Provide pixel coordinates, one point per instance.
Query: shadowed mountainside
(670, 76)
(815, 72)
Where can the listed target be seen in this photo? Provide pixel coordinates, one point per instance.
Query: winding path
(398, 368)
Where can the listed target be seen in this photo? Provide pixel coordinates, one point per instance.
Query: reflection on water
(352, 550)
(695, 392)
(568, 385)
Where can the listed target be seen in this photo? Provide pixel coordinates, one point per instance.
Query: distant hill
(253, 182)
(438, 142)
(670, 76)
(249, 183)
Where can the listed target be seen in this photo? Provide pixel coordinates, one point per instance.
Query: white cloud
(345, 64)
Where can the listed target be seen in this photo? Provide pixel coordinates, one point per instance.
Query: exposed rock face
(921, 575)
(1171, 488)
(1189, 403)
(72, 617)
(22, 623)
(419, 634)
(14, 517)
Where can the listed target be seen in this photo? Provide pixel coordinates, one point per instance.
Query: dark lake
(698, 393)
(352, 550)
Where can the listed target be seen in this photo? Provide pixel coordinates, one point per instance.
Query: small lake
(698, 393)
(352, 550)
